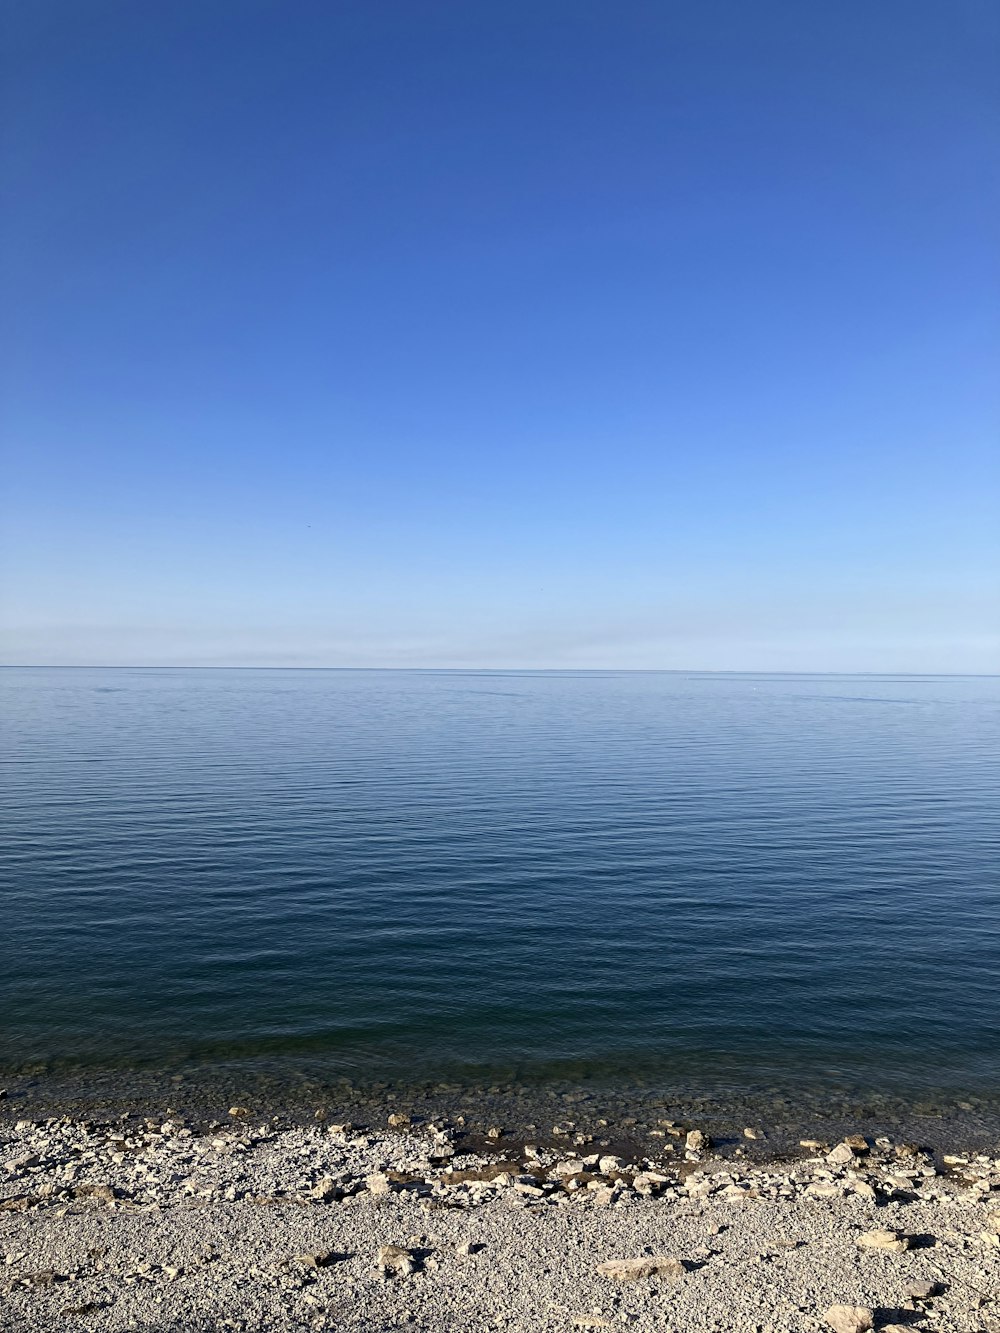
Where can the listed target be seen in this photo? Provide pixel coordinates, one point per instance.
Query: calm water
(669, 880)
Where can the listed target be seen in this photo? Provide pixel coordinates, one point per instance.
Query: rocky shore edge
(161, 1224)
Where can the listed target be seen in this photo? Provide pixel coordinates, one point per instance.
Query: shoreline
(247, 1224)
(633, 1119)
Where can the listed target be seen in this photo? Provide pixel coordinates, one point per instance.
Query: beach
(247, 1224)
(519, 974)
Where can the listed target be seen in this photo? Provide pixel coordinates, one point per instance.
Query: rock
(993, 1222)
(394, 1261)
(606, 1164)
(46, 1277)
(494, 1132)
(850, 1318)
(883, 1240)
(17, 1164)
(19, 1203)
(567, 1168)
(814, 1145)
(86, 1190)
(920, 1291)
(696, 1140)
(841, 1155)
(321, 1259)
(238, 1110)
(591, 1321)
(647, 1182)
(631, 1270)
(398, 1120)
(820, 1190)
(325, 1190)
(378, 1184)
(751, 1134)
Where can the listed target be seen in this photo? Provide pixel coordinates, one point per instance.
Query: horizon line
(618, 671)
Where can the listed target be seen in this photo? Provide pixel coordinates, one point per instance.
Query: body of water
(694, 883)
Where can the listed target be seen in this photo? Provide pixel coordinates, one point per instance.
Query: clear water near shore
(701, 884)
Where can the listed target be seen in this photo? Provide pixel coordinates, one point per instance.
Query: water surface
(688, 882)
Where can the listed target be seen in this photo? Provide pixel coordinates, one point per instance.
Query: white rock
(850, 1318)
(842, 1154)
(883, 1240)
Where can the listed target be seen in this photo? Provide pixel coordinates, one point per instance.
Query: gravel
(167, 1226)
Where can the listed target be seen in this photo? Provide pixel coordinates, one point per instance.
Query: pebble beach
(165, 1225)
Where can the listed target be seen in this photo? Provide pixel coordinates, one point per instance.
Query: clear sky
(521, 333)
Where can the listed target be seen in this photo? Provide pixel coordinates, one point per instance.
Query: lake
(703, 885)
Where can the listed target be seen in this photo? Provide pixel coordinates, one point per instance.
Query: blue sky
(522, 334)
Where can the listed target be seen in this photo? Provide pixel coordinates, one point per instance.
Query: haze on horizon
(524, 335)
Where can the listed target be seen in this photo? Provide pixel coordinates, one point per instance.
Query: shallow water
(698, 884)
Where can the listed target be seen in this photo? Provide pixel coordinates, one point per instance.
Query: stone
(238, 1111)
(820, 1190)
(320, 1259)
(850, 1318)
(993, 1222)
(883, 1240)
(394, 1261)
(591, 1321)
(325, 1190)
(751, 1133)
(606, 1164)
(567, 1168)
(920, 1291)
(841, 1155)
(87, 1190)
(378, 1184)
(696, 1140)
(398, 1120)
(631, 1270)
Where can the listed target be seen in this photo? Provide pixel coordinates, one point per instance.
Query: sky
(444, 333)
